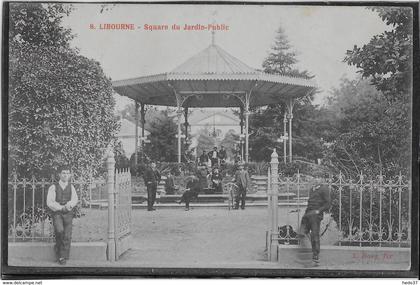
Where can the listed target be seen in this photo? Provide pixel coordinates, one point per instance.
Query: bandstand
(214, 78)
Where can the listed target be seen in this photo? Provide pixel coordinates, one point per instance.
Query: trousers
(151, 196)
(241, 195)
(311, 224)
(63, 223)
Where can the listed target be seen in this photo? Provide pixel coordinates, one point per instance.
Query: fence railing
(29, 217)
(365, 211)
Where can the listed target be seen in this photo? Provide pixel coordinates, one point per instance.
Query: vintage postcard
(209, 139)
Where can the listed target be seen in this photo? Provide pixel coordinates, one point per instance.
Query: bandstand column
(247, 113)
(247, 136)
(285, 141)
(186, 122)
(136, 131)
(179, 114)
(242, 132)
(289, 105)
(143, 122)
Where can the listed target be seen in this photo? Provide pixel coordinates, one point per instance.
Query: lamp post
(241, 141)
(143, 141)
(283, 139)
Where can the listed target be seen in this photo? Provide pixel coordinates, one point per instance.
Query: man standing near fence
(151, 180)
(61, 199)
(319, 201)
(243, 182)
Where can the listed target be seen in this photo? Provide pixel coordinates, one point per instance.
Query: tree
(266, 124)
(60, 103)
(387, 59)
(229, 142)
(163, 143)
(386, 62)
(366, 137)
(205, 141)
(128, 113)
(281, 59)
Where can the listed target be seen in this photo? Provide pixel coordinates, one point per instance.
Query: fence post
(274, 202)
(269, 207)
(110, 162)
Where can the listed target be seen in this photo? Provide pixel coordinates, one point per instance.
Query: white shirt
(53, 204)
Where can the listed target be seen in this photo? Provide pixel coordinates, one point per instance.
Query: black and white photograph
(211, 139)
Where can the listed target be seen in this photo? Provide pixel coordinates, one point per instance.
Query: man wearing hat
(151, 179)
(319, 201)
(243, 182)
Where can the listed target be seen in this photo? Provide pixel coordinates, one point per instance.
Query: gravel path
(202, 237)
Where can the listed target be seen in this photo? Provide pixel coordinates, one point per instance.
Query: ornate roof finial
(213, 32)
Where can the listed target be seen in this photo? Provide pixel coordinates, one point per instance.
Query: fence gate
(119, 209)
(122, 211)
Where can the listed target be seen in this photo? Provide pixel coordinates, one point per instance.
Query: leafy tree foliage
(205, 141)
(60, 103)
(163, 143)
(386, 59)
(367, 136)
(375, 125)
(229, 142)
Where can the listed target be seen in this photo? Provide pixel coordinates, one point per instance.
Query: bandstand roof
(213, 76)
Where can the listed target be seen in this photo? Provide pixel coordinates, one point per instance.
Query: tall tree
(60, 103)
(386, 61)
(266, 124)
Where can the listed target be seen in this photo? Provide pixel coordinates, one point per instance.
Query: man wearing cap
(61, 199)
(243, 182)
(319, 201)
(151, 179)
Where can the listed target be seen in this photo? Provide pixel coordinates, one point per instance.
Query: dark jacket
(245, 182)
(204, 158)
(169, 185)
(194, 186)
(319, 199)
(151, 178)
(222, 154)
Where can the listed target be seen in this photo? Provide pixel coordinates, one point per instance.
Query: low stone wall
(368, 258)
(44, 251)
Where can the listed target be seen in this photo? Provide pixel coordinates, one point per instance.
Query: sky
(319, 34)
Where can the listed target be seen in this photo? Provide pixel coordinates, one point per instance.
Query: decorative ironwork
(366, 211)
(29, 216)
(123, 203)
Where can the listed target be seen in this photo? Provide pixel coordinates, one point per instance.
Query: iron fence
(29, 217)
(364, 211)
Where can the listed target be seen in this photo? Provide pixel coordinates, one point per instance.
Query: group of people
(213, 158)
(62, 199)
